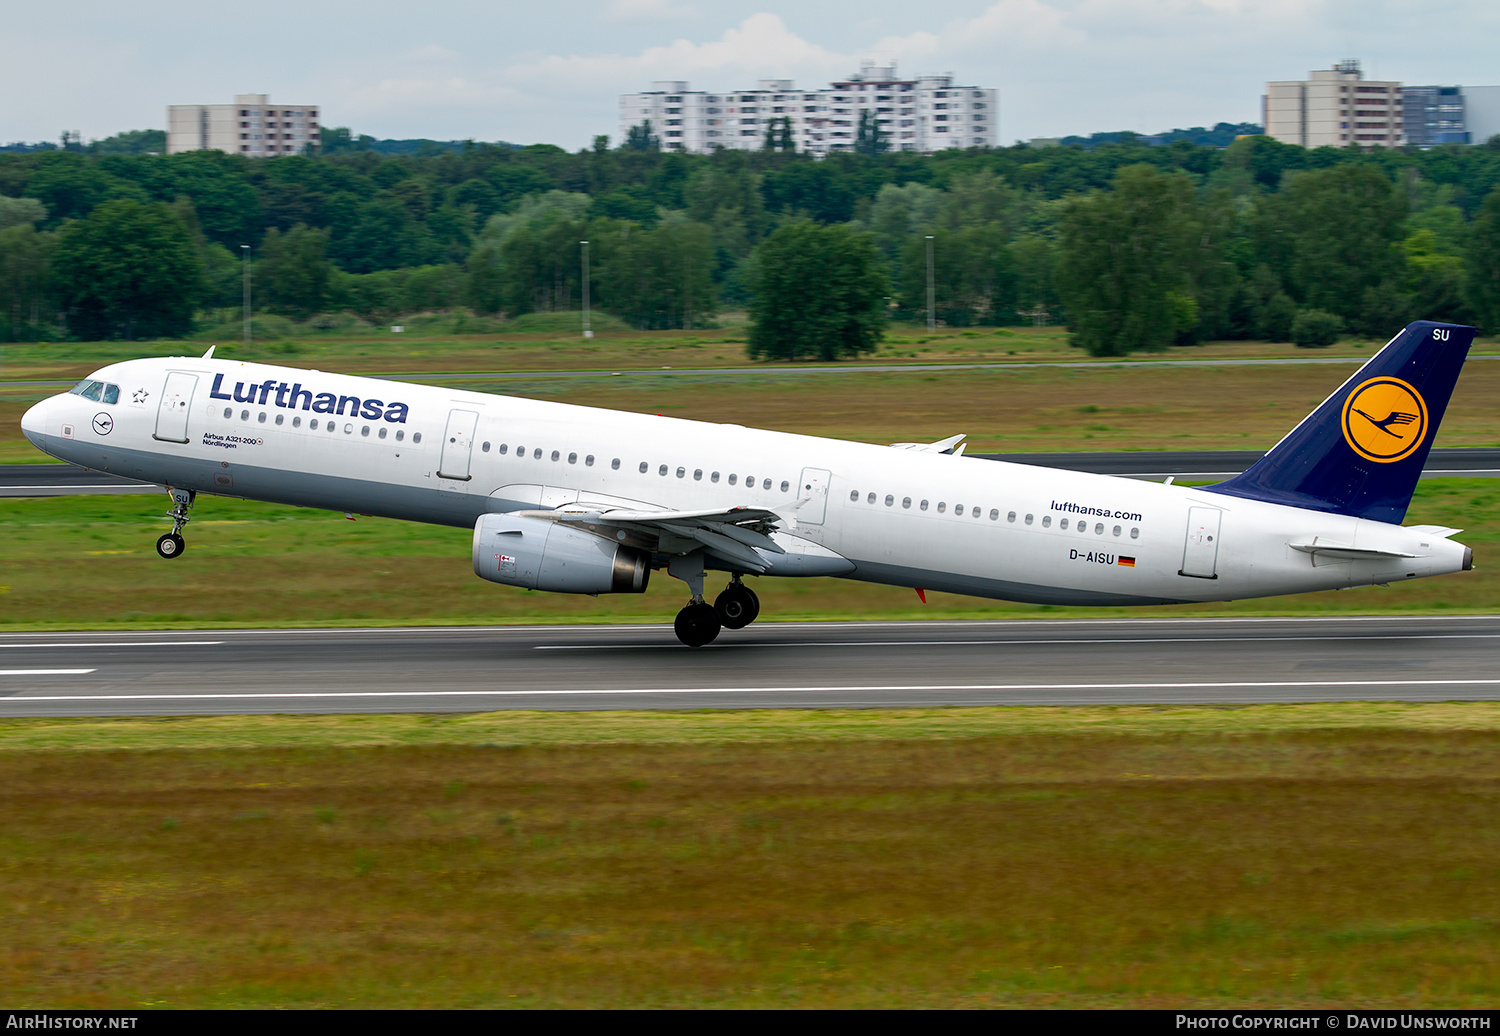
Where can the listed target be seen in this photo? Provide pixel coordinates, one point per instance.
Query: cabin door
(172, 412)
(1200, 555)
(458, 445)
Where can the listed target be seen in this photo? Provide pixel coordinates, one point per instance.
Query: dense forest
(1133, 246)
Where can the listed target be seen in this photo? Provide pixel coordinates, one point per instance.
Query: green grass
(90, 562)
(1272, 856)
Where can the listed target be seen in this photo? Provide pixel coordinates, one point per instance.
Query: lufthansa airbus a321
(579, 500)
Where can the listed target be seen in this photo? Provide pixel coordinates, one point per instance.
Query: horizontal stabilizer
(1320, 547)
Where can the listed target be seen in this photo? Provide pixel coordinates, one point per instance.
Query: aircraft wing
(954, 444)
(727, 533)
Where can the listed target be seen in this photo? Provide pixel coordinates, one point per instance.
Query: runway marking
(116, 644)
(1025, 643)
(597, 691)
(45, 672)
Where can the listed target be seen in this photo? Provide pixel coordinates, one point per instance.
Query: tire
(696, 625)
(737, 606)
(171, 546)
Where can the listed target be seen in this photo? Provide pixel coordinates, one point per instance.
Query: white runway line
(116, 644)
(859, 688)
(1060, 642)
(45, 672)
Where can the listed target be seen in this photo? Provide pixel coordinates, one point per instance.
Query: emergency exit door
(814, 490)
(458, 445)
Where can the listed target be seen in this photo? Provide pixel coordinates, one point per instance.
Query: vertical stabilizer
(1362, 450)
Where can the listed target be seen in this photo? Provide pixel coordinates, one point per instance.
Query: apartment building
(250, 126)
(1335, 108)
(926, 113)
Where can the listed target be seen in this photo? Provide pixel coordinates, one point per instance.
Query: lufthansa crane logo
(1385, 419)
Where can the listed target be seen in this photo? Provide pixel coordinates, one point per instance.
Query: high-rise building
(249, 126)
(927, 113)
(1335, 108)
(1434, 115)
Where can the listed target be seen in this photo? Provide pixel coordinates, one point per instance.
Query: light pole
(931, 293)
(587, 332)
(245, 252)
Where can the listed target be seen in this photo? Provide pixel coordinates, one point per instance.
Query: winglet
(210, 354)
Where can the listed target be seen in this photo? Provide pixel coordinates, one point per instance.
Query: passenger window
(765, 484)
(662, 471)
(994, 514)
(364, 431)
(942, 506)
(348, 429)
(615, 464)
(503, 449)
(1117, 530)
(1135, 534)
(400, 433)
(853, 493)
(1047, 522)
(1028, 519)
(313, 424)
(643, 467)
(382, 432)
(889, 500)
(588, 461)
(1061, 525)
(906, 502)
(1011, 516)
(296, 422)
(681, 472)
(520, 450)
(785, 485)
(262, 418)
(870, 499)
(484, 448)
(923, 505)
(111, 393)
(958, 509)
(714, 477)
(228, 413)
(735, 478)
(572, 458)
(555, 456)
(417, 437)
(333, 427)
(244, 415)
(280, 418)
(1083, 528)
(536, 454)
(697, 474)
(1098, 528)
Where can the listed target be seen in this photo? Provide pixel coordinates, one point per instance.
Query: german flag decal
(1126, 561)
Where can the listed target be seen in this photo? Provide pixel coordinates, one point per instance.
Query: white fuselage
(910, 518)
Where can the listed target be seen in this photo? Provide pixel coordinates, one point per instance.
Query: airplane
(582, 500)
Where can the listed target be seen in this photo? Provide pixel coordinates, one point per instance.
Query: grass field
(90, 562)
(1274, 856)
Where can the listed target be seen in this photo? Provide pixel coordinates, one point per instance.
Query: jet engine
(542, 555)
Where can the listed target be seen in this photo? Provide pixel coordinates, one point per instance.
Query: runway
(769, 665)
(27, 480)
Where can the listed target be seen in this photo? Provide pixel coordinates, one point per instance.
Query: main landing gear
(699, 623)
(172, 544)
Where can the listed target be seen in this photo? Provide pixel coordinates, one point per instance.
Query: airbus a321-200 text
(579, 500)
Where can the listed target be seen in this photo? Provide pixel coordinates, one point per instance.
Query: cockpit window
(96, 390)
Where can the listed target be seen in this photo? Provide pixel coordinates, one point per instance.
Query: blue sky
(552, 72)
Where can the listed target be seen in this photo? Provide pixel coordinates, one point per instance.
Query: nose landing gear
(172, 544)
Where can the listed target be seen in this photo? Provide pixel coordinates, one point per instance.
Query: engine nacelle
(542, 555)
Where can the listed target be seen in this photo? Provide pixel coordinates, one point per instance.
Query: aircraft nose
(34, 423)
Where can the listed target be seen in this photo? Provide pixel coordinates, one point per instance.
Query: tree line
(1132, 246)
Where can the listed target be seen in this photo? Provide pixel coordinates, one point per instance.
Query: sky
(552, 72)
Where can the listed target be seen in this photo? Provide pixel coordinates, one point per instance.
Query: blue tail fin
(1361, 451)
